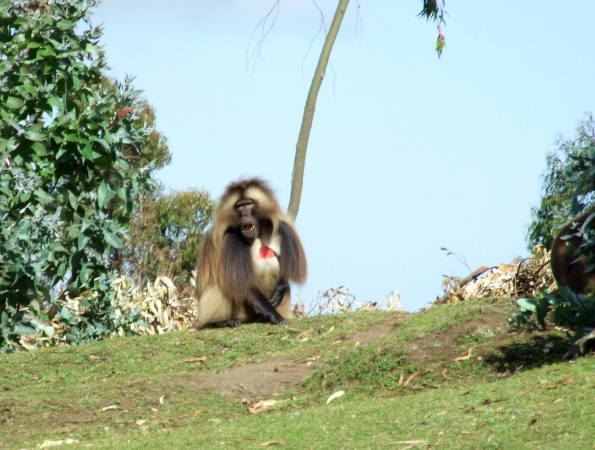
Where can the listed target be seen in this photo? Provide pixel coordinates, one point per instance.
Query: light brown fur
(567, 271)
(226, 271)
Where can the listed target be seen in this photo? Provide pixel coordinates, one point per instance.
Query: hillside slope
(451, 376)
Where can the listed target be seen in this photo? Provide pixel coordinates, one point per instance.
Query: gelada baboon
(247, 259)
(566, 268)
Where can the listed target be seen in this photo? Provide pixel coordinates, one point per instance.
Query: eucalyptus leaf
(34, 136)
(39, 149)
(112, 239)
(527, 304)
(4, 6)
(65, 24)
(104, 194)
(85, 274)
(24, 329)
(48, 331)
(14, 103)
(43, 196)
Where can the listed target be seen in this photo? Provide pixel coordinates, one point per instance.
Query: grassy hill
(452, 376)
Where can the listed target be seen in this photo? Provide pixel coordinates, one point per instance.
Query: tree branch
(297, 178)
(472, 276)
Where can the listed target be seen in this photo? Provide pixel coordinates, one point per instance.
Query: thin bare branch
(322, 26)
(252, 57)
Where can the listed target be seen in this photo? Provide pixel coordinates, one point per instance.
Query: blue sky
(408, 153)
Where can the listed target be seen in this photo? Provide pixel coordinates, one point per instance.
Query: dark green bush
(68, 138)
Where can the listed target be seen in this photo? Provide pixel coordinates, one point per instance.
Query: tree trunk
(297, 178)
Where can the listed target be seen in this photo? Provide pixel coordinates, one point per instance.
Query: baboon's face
(248, 224)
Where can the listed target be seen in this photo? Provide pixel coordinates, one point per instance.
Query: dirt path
(278, 375)
(273, 376)
(424, 350)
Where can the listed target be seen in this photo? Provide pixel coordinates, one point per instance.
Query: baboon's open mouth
(248, 227)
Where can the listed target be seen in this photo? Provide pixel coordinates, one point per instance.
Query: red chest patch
(266, 252)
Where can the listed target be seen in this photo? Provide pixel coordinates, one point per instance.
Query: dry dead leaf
(557, 400)
(562, 381)
(161, 399)
(48, 444)
(489, 401)
(107, 408)
(308, 332)
(256, 407)
(467, 356)
(334, 396)
(465, 432)
(441, 413)
(141, 422)
(195, 413)
(269, 443)
(197, 359)
(411, 377)
(400, 380)
(473, 409)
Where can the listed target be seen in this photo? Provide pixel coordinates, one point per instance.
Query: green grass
(404, 389)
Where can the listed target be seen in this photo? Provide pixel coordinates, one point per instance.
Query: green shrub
(67, 141)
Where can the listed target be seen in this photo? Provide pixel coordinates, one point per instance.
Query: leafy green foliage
(434, 10)
(155, 155)
(166, 233)
(100, 318)
(566, 309)
(568, 189)
(568, 184)
(66, 142)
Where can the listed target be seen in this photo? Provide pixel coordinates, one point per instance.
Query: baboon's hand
(278, 321)
(231, 323)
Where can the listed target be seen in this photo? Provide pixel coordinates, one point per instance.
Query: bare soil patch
(373, 333)
(253, 380)
(279, 375)
(427, 349)
(273, 376)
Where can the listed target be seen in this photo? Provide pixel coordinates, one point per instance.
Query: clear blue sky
(408, 152)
